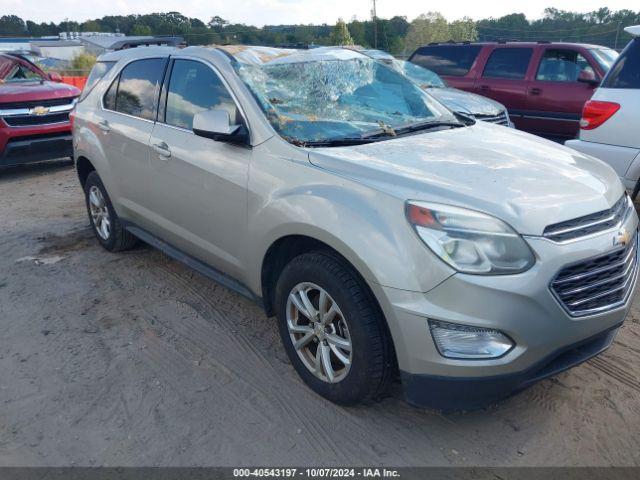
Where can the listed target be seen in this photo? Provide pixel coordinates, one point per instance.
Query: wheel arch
(83, 168)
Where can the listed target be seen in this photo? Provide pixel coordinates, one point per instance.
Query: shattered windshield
(335, 99)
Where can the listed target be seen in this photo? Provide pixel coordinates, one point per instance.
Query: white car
(609, 129)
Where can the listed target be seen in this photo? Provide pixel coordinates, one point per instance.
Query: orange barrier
(75, 81)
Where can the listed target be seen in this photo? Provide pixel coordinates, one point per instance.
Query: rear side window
(454, 60)
(508, 63)
(137, 88)
(98, 71)
(625, 73)
(195, 87)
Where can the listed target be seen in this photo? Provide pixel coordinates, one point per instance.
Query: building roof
(57, 43)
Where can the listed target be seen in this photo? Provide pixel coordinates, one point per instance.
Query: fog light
(466, 342)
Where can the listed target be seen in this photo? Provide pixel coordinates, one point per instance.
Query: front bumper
(19, 151)
(547, 339)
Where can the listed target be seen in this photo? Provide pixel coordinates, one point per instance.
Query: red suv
(543, 85)
(34, 113)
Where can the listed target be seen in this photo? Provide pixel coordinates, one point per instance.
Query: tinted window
(510, 63)
(625, 73)
(562, 66)
(195, 87)
(98, 71)
(109, 100)
(138, 88)
(455, 60)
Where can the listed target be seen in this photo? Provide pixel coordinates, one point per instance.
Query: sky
(261, 12)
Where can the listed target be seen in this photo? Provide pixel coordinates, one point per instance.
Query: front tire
(332, 329)
(104, 220)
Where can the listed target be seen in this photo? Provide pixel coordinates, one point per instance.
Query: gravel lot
(133, 359)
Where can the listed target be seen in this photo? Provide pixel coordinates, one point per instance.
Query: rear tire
(323, 305)
(104, 220)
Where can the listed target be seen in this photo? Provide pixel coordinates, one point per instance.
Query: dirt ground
(133, 359)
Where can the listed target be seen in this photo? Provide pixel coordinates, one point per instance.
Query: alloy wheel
(99, 213)
(319, 332)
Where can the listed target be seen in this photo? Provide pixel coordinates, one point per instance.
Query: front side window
(453, 60)
(508, 63)
(336, 96)
(563, 66)
(138, 88)
(625, 73)
(195, 87)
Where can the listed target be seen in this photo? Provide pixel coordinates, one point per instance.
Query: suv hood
(524, 180)
(34, 91)
(465, 102)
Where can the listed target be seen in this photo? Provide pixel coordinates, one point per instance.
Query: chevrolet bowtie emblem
(622, 238)
(40, 110)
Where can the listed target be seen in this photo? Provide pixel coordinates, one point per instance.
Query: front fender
(365, 226)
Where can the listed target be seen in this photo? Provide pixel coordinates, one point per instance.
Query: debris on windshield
(327, 94)
(386, 129)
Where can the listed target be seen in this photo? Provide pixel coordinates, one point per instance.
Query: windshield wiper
(416, 127)
(336, 142)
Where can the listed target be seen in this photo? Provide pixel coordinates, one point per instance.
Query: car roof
(517, 43)
(257, 55)
(137, 52)
(633, 30)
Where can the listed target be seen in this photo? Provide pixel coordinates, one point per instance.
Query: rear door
(558, 91)
(199, 185)
(504, 77)
(126, 122)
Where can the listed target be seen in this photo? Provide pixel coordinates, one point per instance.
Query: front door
(199, 184)
(556, 95)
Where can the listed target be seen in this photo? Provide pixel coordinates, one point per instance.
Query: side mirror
(588, 76)
(216, 125)
(55, 77)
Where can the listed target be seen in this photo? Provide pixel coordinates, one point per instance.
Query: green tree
(12, 25)
(141, 30)
(340, 34)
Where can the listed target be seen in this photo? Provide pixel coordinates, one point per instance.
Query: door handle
(104, 126)
(484, 88)
(162, 149)
(535, 91)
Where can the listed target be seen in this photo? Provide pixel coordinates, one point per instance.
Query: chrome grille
(29, 120)
(500, 119)
(598, 284)
(593, 223)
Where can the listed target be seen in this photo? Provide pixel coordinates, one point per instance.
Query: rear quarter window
(99, 70)
(453, 60)
(625, 73)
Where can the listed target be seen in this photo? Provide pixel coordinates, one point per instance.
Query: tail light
(595, 113)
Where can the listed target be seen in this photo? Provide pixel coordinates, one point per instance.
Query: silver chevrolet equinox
(389, 236)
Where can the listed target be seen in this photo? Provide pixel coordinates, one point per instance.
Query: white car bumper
(624, 160)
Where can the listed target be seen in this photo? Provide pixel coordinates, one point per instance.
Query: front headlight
(470, 241)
